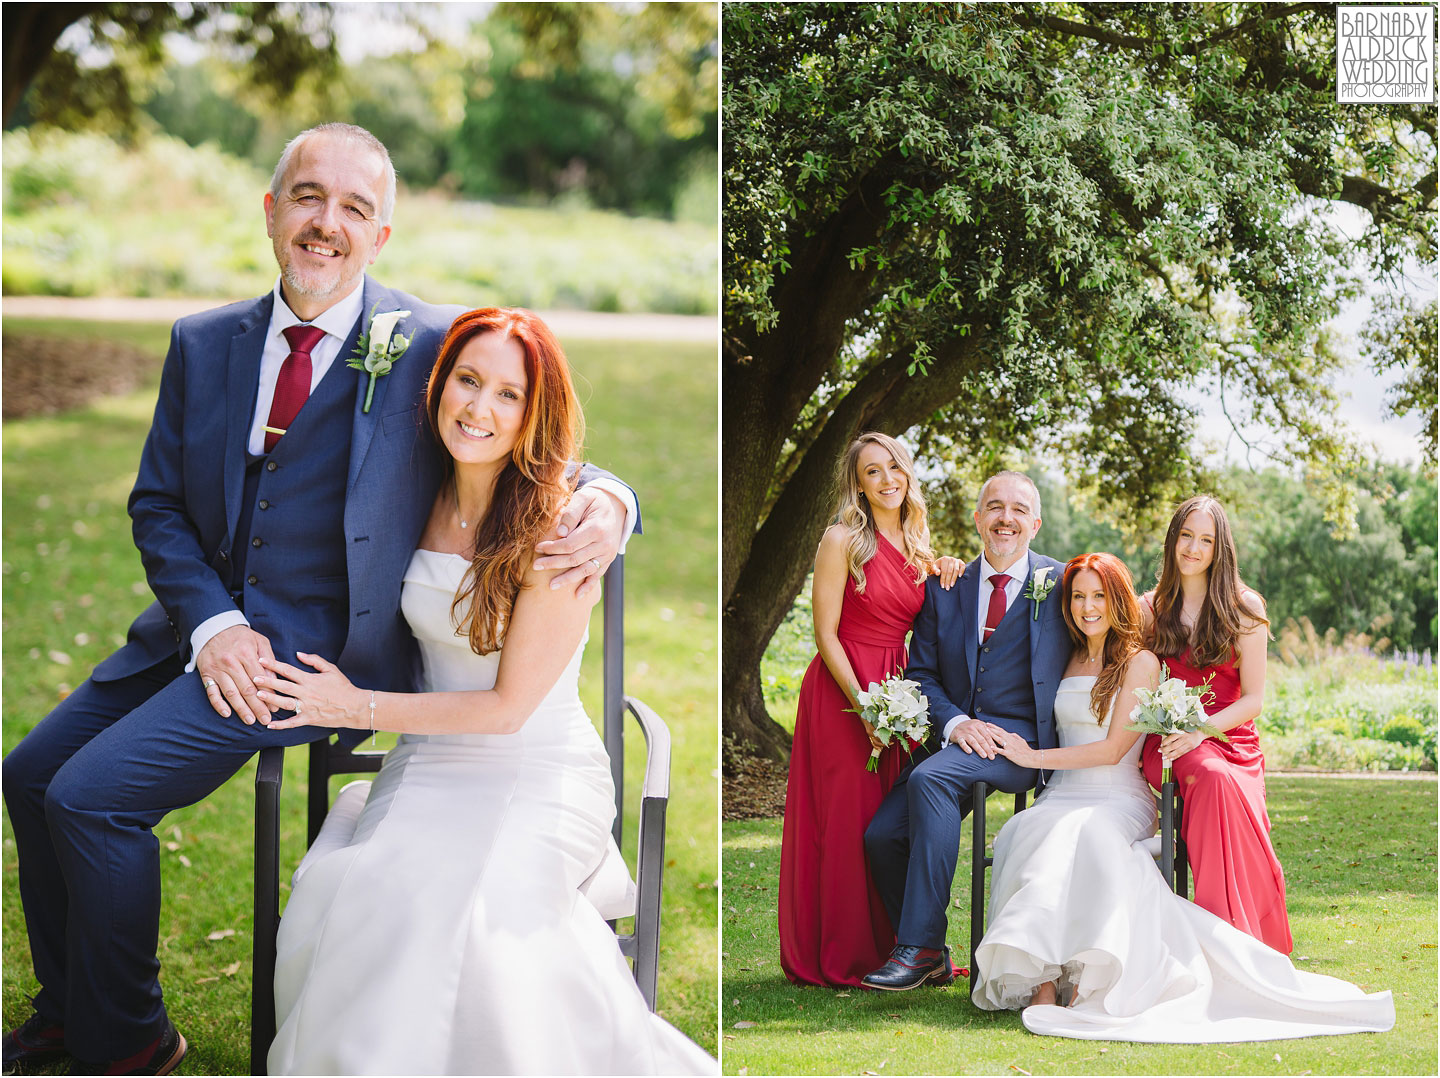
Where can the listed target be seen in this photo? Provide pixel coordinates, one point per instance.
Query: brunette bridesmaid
(868, 587)
(1205, 624)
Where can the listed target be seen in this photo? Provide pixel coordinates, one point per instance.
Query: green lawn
(73, 581)
(1359, 857)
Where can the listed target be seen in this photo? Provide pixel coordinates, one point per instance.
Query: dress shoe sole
(175, 1057)
(938, 977)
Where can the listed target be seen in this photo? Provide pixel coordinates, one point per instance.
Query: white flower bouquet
(1173, 708)
(895, 708)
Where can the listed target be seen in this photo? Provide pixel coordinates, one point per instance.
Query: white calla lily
(381, 327)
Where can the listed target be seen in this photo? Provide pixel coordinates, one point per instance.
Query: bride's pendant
(463, 522)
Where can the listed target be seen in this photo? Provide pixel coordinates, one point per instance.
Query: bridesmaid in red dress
(1204, 622)
(867, 589)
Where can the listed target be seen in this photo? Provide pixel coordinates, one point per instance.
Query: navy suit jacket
(943, 647)
(187, 495)
(188, 492)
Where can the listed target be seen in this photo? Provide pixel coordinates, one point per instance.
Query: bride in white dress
(1079, 913)
(450, 934)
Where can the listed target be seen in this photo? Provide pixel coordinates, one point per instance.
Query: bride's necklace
(458, 516)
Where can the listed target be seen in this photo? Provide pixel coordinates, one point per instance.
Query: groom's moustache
(324, 241)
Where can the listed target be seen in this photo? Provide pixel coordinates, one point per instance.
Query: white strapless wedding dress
(448, 935)
(1076, 899)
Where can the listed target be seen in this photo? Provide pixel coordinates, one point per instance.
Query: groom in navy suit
(275, 511)
(988, 655)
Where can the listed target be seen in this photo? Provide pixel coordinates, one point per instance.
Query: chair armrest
(270, 770)
(644, 942)
(657, 749)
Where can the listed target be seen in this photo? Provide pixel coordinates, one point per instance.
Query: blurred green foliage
(605, 105)
(85, 216)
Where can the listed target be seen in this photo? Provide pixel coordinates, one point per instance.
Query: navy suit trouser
(913, 840)
(84, 790)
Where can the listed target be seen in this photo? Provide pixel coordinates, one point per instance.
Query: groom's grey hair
(980, 498)
(350, 131)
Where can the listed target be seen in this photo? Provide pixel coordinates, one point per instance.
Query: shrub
(1405, 730)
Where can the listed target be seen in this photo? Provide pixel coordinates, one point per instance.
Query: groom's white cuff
(956, 721)
(626, 497)
(210, 628)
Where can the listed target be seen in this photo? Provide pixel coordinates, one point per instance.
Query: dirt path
(589, 325)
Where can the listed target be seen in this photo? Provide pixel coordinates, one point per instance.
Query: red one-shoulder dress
(833, 926)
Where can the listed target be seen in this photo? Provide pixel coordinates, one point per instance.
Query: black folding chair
(1172, 858)
(641, 945)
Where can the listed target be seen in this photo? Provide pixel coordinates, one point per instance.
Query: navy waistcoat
(292, 524)
(1003, 689)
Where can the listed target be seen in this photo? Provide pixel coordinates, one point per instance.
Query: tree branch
(1147, 45)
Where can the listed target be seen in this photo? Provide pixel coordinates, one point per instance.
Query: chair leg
(1167, 834)
(269, 773)
(1182, 855)
(978, 863)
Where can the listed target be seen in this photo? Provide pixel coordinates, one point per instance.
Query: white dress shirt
(337, 322)
(1013, 588)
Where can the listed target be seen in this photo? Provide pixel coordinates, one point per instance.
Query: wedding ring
(595, 562)
(208, 682)
(297, 707)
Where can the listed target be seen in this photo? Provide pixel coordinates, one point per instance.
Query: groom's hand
(978, 737)
(588, 538)
(228, 666)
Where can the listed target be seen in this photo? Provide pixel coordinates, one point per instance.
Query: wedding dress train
(1076, 898)
(449, 933)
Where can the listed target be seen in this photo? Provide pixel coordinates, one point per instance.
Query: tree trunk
(31, 31)
(746, 722)
(782, 550)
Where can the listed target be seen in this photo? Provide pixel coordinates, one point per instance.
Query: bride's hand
(324, 698)
(589, 537)
(1175, 746)
(1016, 749)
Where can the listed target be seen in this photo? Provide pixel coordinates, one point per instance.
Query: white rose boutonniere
(376, 351)
(1039, 588)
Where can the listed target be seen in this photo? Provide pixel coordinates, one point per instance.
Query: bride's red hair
(533, 486)
(1124, 638)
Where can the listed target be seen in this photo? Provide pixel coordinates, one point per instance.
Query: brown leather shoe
(160, 1056)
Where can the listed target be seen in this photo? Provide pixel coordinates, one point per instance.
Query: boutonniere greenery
(377, 350)
(1040, 587)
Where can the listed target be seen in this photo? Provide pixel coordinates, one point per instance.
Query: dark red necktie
(293, 386)
(996, 611)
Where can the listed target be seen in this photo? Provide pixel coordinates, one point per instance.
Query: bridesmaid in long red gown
(867, 589)
(1204, 622)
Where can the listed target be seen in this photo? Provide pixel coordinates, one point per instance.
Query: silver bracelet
(372, 716)
(1042, 760)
